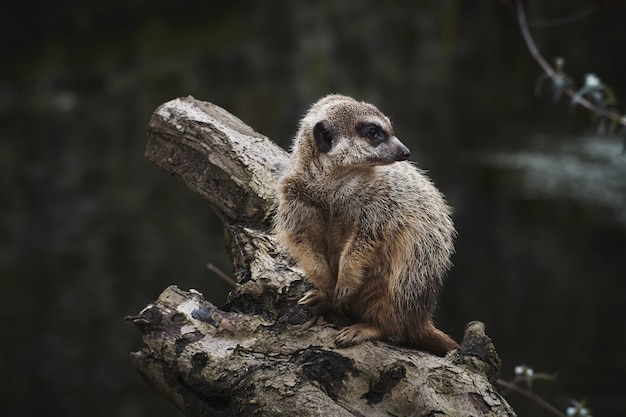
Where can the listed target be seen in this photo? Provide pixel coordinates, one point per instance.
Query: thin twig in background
(534, 51)
(223, 275)
(529, 395)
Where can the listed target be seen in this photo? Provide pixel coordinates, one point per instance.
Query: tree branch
(261, 354)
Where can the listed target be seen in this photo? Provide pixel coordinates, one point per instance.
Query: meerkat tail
(435, 341)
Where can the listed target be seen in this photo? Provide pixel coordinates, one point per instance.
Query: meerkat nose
(400, 151)
(403, 154)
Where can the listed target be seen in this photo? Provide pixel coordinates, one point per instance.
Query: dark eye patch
(373, 132)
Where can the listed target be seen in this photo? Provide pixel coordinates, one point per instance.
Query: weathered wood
(261, 354)
(217, 156)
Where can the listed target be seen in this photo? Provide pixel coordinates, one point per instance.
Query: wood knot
(477, 351)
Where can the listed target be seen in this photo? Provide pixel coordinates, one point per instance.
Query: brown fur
(369, 229)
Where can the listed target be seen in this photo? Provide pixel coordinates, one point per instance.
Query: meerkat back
(370, 231)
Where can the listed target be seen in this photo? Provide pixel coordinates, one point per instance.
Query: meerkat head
(341, 131)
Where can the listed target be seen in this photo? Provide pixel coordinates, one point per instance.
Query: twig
(223, 275)
(529, 395)
(534, 51)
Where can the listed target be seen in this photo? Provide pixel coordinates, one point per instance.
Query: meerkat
(369, 229)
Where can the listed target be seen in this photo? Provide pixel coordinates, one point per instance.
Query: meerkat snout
(403, 152)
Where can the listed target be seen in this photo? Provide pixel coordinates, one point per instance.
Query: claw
(356, 334)
(315, 301)
(308, 298)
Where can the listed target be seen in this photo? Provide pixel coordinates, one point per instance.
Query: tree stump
(261, 354)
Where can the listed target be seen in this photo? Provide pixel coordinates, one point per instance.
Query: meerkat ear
(323, 138)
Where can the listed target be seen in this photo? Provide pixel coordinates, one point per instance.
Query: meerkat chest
(350, 205)
(348, 187)
(339, 201)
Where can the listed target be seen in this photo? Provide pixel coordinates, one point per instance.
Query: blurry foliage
(594, 95)
(522, 384)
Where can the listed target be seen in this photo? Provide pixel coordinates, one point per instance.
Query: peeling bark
(261, 354)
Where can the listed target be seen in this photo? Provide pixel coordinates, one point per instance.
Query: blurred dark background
(92, 232)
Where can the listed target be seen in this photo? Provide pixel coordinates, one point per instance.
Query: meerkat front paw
(357, 333)
(315, 301)
(342, 297)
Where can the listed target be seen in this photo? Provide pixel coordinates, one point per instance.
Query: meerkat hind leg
(357, 333)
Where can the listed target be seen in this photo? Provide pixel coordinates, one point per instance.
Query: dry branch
(261, 354)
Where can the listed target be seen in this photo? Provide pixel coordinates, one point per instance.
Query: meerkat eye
(374, 133)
